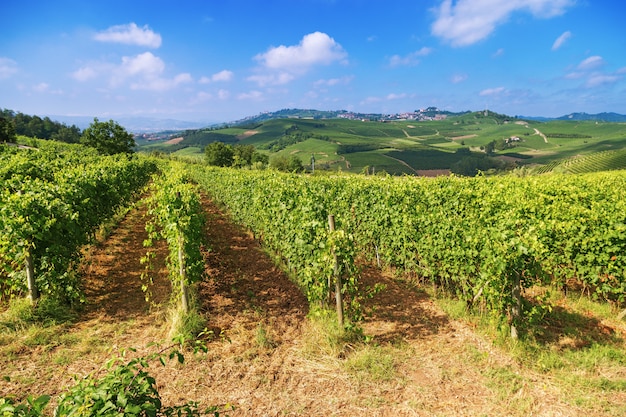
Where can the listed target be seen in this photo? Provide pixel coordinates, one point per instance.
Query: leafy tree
(259, 158)
(242, 155)
(287, 163)
(219, 154)
(108, 137)
(36, 127)
(67, 134)
(470, 166)
(7, 130)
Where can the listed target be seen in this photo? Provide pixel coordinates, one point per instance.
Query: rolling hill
(423, 147)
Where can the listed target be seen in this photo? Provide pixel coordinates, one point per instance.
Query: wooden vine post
(184, 293)
(183, 274)
(338, 296)
(33, 292)
(516, 308)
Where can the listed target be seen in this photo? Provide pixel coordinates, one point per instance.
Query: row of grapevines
(479, 238)
(290, 215)
(47, 214)
(176, 210)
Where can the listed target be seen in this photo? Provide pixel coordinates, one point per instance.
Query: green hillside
(484, 139)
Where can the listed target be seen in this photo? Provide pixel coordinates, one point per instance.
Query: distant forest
(36, 127)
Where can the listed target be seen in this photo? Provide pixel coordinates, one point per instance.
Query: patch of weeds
(595, 357)
(46, 337)
(323, 335)
(477, 356)
(606, 384)
(263, 338)
(188, 325)
(21, 314)
(504, 382)
(63, 357)
(371, 363)
(455, 309)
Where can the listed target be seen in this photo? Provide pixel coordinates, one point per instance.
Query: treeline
(13, 124)
(567, 136)
(360, 147)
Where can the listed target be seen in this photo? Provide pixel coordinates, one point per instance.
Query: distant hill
(600, 117)
(428, 113)
(134, 124)
(604, 117)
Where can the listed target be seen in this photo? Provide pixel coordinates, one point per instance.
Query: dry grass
(269, 355)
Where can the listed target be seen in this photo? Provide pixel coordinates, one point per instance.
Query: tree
(288, 164)
(260, 159)
(108, 138)
(242, 155)
(67, 134)
(219, 154)
(7, 130)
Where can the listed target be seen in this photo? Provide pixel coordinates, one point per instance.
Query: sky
(223, 60)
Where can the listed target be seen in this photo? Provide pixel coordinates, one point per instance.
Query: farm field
(404, 147)
(272, 360)
(435, 274)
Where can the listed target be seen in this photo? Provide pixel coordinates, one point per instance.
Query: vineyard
(595, 162)
(51, 205)
(482, 239)
(499, 246)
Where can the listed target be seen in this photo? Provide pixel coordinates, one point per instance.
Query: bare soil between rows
(259, 358)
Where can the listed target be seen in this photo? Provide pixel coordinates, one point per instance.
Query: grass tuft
(372, 363)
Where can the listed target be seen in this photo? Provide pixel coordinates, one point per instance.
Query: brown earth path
(261, 360)
(261, 365)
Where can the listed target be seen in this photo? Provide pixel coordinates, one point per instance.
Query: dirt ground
(261, 360)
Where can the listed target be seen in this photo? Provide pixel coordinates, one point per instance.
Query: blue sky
(221, 60)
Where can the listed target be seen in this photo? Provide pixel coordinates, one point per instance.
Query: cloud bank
(130, 34)
(465, 22)
(283, 64)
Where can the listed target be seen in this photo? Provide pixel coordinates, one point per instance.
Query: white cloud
(370, 100)
(492, 91)
(498, 53)
(466, 22)
(142, 72)
(458, 78)
(574, 75)
(223, 94)
(221, 76)
(8, 67)
(591, 63)
(272, 79)
(224, 75)
(590, 70)
(41, 87)
(161, 84)
(145, 63)
(333, 81)
(283, 64)
(393, 96)
(314, 49)
(85, 73)
(45, 88)
(561, 40)
(130, 34)
(410, 59)
(252, 95)
(597, 80)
